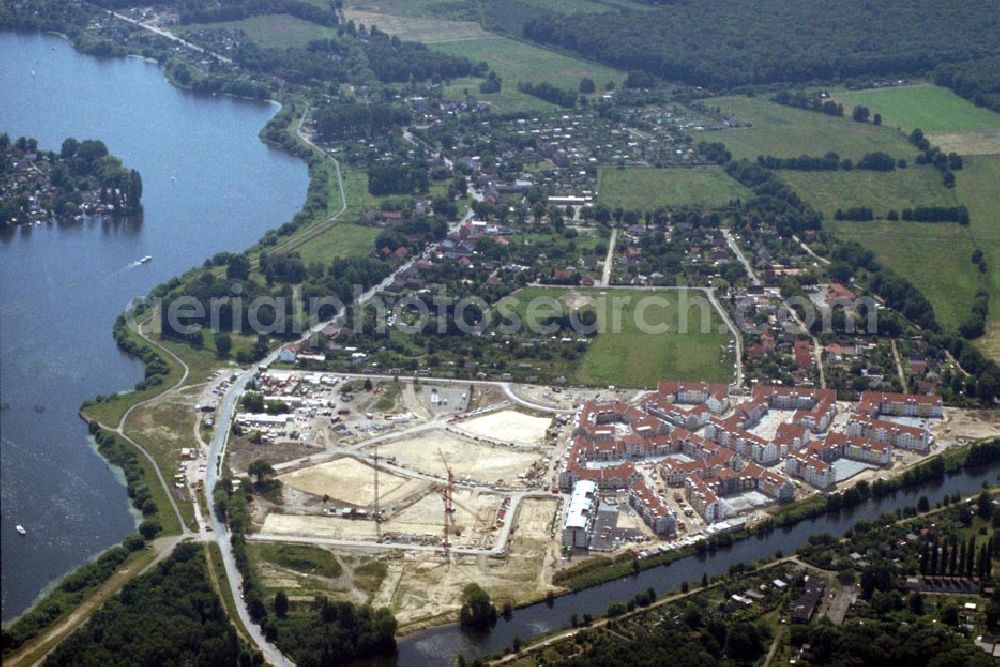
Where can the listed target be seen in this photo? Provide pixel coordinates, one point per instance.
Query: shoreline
(118, 470)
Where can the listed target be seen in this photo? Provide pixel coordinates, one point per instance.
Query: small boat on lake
(146, 260)
(20, 529)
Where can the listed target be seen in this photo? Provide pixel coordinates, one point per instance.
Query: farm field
(917, 185)
(278, 31)
(625, 356)
(516, 61)
(647, 189)
(418, 29)
(926, 106)
(933, 256)
(453, 10)
(786, 132)
(977, 186)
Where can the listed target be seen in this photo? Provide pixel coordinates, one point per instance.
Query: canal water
(442, 645)
(209, 185)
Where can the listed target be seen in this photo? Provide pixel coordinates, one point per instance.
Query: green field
(647, 189)
(278, 31)
(342, 239)
(977, 185)
(918, 185)
(787, 132)
(516, 61)
(926, 106)
(627, 356)
(933, 256)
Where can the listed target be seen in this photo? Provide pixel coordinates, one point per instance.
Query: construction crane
(447, 494)
(377, 513)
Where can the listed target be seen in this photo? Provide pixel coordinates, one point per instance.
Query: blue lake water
(61, 286)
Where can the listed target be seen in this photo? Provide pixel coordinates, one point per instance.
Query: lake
(209, 185)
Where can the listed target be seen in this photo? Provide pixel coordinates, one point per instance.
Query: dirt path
(899, 364)
(609, 261)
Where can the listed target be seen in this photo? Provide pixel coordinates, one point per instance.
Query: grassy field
(786, 132)
(918, 185)
(933, 256)
(977, 185)
(926, 106)
(649, 188)
(624, 355)
(279, 31)
(426, 29)
(301, 558)
(343, 239)
(516, 61)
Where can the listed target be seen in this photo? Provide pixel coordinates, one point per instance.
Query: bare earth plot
(351, 481)
(417, 589)
(471, 523)
(509, 425)
(979, 142)
(474, 460)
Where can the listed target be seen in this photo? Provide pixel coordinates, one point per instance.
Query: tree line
(877, 161)
(817, 103)
(550, 93)
(975, 80)
(197, 11)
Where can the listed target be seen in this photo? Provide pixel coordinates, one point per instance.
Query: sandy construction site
(468, 459)
(419, 588)
(350, 481)
(508, 425)
(471, 524)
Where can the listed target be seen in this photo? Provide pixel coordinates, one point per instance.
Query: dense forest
(170, 616)
(726, 44)
(332, 633)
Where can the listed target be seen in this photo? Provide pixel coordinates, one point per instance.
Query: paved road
(297, 240)
(817, 349)
(809, 250)
(163, 33)
(506, 387)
